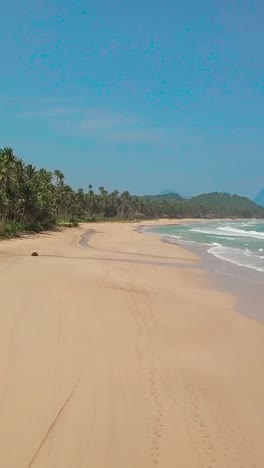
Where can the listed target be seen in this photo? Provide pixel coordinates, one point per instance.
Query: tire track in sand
(52, 425)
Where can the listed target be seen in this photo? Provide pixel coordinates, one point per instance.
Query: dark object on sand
(34, 254)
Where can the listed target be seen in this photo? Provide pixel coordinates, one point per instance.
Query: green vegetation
(171, 196)
(225, 205)
(36, 199)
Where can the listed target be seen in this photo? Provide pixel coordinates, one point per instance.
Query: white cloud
(110, 126)
(69, 117)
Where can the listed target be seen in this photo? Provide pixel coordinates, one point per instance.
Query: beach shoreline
(119, 352)
(244, 284)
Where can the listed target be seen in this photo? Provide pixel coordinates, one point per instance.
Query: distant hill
(227, 203)
(167, 191)
(222, 198)
(165, 196)
(206, 205)
(259, 199)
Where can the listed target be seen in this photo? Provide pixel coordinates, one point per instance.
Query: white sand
(117, 355)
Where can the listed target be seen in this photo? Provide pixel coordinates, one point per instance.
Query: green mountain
(231, 205)
(165, 196)
(167, 191)
(206, 205)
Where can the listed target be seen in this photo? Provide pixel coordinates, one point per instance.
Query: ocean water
(237, 242)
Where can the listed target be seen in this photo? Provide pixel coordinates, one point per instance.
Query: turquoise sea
(238, 242)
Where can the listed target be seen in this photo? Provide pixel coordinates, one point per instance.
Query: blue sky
(143, 95)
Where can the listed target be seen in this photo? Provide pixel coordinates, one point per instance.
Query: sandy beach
(115, 352)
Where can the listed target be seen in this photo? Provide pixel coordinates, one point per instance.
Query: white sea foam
(243, 258)
(228, 241)
(227, 231)
(225, 237)
(174, 239)
(241, 232)
(250, 224)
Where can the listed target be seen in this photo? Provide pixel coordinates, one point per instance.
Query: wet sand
(117, 352)
(246, 285)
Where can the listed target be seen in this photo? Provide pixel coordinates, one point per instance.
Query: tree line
(34, 199)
